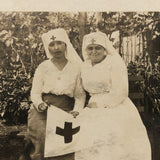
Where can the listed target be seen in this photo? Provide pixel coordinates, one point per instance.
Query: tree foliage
(129, 23)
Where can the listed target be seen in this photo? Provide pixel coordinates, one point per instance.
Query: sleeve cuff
(37, 104)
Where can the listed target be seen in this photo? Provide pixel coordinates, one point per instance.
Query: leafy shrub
(151, 85)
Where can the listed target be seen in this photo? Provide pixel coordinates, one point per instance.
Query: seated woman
(118, 127)
(56, 82)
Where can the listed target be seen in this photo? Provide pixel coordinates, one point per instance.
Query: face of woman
(57, 49)
(96, 53)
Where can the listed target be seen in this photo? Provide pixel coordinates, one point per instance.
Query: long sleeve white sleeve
(119, 85)
(79, 95)
(36, 90)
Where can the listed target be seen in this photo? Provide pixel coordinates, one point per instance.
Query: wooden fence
(132, 46)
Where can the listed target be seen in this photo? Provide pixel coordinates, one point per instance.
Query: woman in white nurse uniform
(118, 129)
(56, 82)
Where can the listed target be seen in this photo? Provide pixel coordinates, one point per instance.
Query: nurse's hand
(92, 105)
(74, 113)
(42, 107)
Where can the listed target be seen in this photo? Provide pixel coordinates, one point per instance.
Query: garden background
(135, 35)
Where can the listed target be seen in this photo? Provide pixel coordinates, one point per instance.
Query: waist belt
(64, 102)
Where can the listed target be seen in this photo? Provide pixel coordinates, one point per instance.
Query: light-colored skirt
(119, 134)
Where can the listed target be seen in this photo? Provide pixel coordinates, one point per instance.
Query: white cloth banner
(65, 134)
(103, 131)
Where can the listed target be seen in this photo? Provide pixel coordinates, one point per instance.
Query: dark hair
(52, 43)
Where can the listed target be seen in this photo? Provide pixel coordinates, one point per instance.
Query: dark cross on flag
(67, 132)
(53, 37)
(93, 40)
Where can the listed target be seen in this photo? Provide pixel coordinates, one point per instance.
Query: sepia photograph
(79, 85)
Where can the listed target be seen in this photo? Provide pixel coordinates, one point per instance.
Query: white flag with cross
(65, 134)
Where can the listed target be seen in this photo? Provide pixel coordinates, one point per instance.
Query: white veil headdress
(60, 34)
(99, 38)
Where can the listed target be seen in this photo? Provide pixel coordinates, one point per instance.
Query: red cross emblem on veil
(53, 37)
(93, 40)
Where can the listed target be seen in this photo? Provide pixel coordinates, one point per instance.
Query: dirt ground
(11, 145)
